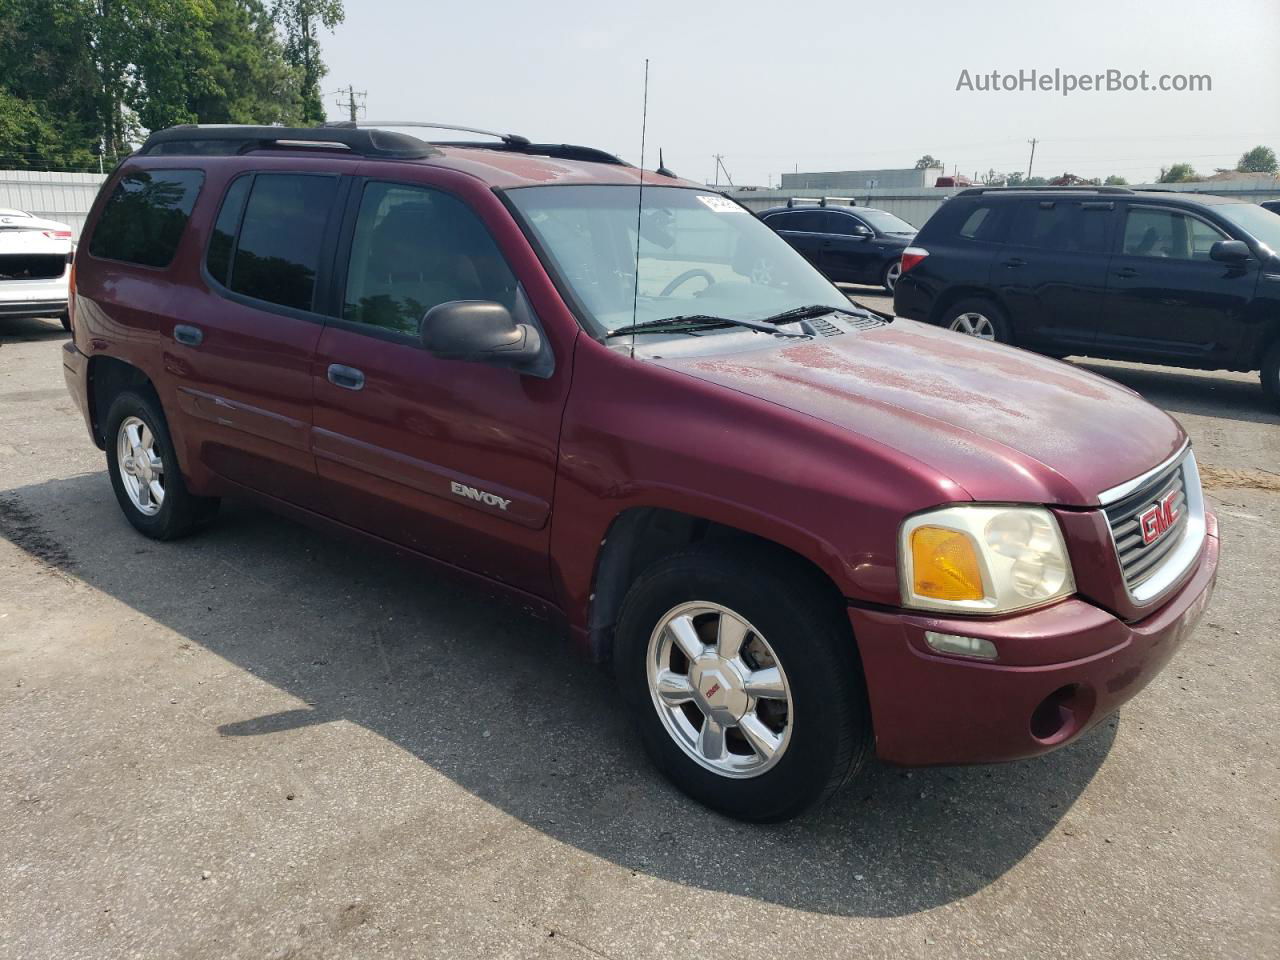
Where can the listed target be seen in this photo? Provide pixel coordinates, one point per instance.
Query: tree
(1014, 179)
(1115, 180)
(927, 161)
(76, 74)
(1258, 160)
(1178, 173)
(301, 21)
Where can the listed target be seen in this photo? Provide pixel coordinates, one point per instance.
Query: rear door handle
(1126, 272)
(348, 378)
(1015, 262)
(191, 336)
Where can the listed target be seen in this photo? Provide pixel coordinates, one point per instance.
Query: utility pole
(719, 158)
(353, 102)
(1033, 141)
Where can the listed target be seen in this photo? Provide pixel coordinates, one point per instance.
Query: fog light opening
(1062, 713)
(961, 646)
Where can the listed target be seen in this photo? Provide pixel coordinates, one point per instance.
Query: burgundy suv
(799, 530)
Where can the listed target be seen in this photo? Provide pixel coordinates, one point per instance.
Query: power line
(354, 102)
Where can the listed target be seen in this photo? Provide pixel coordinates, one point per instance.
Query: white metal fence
(55, 196)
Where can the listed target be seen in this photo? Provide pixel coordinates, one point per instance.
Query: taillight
(57, 234)
(71, 291)
(912, 256)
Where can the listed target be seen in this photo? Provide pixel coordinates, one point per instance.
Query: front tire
(144, 471)
(742, 677)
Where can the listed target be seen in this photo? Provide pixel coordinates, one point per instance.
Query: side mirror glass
(1229, 251)
(479, 331)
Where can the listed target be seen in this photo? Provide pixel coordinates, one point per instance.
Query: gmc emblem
(1156, 520)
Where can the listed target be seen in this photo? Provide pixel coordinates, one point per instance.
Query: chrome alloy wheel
(719, 689)
(974, 325)
(141, 468)
(892, 274)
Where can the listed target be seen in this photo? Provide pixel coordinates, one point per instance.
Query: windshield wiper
(701, 321)
(813, 310)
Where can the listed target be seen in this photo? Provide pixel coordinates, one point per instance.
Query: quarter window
(277, 251)
(143, 219)
(1168, 234)
(222, 243)
(987, 222)
(415, 248)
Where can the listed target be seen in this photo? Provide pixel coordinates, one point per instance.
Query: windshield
(884, 221)
(699, 254)
(1257, 221)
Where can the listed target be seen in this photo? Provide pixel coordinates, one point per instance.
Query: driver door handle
(348, 378)
(1015, 262)
(1126, 272)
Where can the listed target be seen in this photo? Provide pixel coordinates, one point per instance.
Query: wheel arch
(108, 377)
(968, 292)
(640, 536)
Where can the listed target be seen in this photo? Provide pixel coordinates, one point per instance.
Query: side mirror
(1230, 251)
(480, 331)
(861, 232)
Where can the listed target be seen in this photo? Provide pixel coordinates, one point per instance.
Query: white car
(35, 266)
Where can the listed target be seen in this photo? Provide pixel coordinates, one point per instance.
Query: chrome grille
(1139, 561)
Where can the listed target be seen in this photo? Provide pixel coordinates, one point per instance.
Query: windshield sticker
(721, 204)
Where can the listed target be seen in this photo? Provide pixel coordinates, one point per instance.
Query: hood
(1004, 424)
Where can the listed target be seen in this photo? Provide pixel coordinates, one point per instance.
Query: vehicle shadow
(26, 329)
(1196, 392)
(502, 706)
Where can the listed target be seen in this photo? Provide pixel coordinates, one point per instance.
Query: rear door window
(844, 225)
(276, 253)
(1064, 226)
(143, 219)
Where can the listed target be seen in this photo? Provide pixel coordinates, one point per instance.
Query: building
(850, 180)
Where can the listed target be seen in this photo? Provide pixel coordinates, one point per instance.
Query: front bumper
(1060, 671)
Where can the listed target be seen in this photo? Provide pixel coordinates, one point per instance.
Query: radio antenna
(635, 290)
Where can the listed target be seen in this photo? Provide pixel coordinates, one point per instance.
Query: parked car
(1172, 278)
(35, 262)
(848, 244)
(800, 532)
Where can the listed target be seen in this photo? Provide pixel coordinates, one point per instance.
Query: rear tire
(1270, 374)
(144, 470)
(978, 318)
(795, 687)
(889, 276)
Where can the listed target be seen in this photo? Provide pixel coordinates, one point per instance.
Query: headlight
(978, 559)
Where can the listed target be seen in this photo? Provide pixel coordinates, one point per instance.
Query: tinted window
(414, 248)
(843, 224)
(224, 230)
(796, 220)
(278, 249)
(144, 217)
(986, 222)
(1168, 234)
(1062, 225)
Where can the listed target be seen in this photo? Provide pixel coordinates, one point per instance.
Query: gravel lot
(262, 743)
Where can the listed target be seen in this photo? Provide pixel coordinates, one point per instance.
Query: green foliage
(1115, 180)
(927, 161)
(1258, 160)
(1014, 179)
(1178, 173)
(76, 73)
(301, 21)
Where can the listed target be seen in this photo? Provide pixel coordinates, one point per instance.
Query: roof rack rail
(232, 138)
(976, 191)
(512, 142)
(823, 201)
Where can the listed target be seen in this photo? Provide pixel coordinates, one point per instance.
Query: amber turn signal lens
(944, 565)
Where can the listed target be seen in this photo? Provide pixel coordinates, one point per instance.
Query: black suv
(1190, 281)
(847, 243)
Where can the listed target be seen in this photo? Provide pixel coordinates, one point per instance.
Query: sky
(775, 87)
